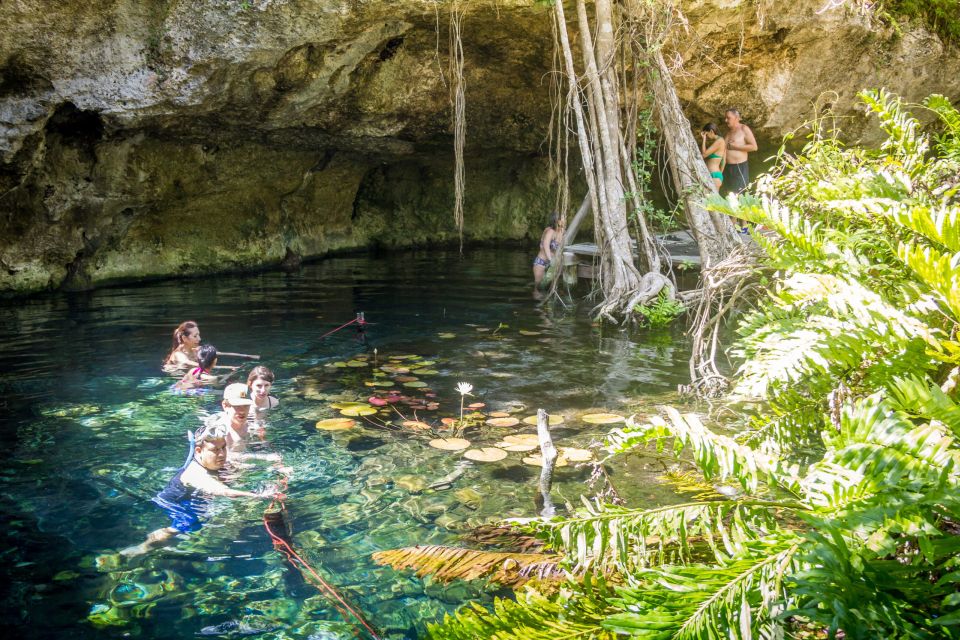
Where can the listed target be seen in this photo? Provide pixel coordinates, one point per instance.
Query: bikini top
(554, 245)
(713, 155)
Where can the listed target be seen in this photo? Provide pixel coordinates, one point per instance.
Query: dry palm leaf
(452, 563)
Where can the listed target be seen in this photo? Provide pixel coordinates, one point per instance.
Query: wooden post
(549, 454)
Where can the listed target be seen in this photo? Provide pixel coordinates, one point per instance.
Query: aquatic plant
(836, 504)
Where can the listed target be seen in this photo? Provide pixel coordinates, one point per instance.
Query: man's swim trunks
(736, 177)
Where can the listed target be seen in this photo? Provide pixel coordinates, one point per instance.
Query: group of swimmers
(218, 446)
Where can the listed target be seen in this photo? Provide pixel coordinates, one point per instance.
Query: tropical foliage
(836, 504)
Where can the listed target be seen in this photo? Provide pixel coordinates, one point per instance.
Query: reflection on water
(92, 432)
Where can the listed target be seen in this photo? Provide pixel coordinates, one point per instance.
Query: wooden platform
(680, 245)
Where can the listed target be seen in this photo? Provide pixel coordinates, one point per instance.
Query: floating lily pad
(503, 422)
(381, 383)
(377, 402)
(449, 444)
(416, 384)
(552, 419)
(426, 363)
(536, 460)
(486, 454)
(515, 447)
(357, 363)
(416, 424)
(407, 379)
(476, 405)
(363, 410)
(573, 454)
(425, 372)
(347, 405)
(446, 336)
(339, 365)
(523, 332)
(336, 424)
(522, 438)
(449, 421)
(602, 418)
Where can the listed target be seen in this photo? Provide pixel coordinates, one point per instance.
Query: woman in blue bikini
(715, 154)
(549, 242)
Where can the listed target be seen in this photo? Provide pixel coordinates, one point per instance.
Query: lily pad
(523, 332)
(347, 405)
(446, 336)
(602, 418)
(573, 454)
(336, 424)
(498, 414)
(377, 402)
(426, 363)
(476, 405)
(486, 454)
(425, 372)
(449, 421)
(381, 383)
(515, 447)
(363, 410)
(522, 438)
(449, 444)
(503, 422)
(536, 460)
(406, 379)
(357, 363)
(416, 424)
(552, 419)
(416, 384)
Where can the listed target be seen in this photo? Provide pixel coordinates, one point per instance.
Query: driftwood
(544, 502)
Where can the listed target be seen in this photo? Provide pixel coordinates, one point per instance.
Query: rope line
(280, 544)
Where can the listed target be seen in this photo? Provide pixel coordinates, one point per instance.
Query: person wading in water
(740, 142)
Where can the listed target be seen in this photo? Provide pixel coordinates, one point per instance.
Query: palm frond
(453, 563)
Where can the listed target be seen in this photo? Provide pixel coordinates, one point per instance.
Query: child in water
(236, 406)
(187, 495)
(202, 373)
(260, 381)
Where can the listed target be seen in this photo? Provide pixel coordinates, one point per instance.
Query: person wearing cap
(237, 405)
(186, 497)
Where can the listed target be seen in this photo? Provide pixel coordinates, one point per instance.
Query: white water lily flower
(464, 388)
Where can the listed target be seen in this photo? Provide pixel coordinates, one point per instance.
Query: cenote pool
(91, 433)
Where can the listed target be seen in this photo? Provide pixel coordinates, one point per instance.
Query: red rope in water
(358, 319)
(294, 558)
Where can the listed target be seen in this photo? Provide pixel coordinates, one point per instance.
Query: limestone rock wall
(174, 137)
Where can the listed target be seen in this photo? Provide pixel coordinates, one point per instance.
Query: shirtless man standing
(740, 142)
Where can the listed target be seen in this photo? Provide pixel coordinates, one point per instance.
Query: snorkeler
(259, 382)
(549, 242)
(183, 352)
(202, 373)
(186, 497)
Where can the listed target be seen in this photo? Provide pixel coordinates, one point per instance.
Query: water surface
(91, 432)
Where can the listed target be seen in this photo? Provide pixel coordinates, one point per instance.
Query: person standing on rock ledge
(740, 142)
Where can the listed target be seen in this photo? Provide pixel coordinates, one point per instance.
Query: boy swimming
(237, 406)
(186, 497)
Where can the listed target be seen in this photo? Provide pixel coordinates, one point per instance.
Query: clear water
(91, 432)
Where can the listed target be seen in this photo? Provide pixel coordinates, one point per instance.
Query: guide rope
(281, 544)
(360, 321)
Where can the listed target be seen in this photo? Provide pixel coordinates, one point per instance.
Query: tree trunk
(714, 233)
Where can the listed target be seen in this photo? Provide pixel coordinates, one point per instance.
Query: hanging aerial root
(724, 286)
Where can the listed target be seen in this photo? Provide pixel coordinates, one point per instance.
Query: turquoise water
(91, 432)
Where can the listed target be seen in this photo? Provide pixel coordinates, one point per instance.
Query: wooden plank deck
(680, 245)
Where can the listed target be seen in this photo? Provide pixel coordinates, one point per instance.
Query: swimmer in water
(187, 495)
(259, 382)
(183, 352)
(549, 242)
(202, 373)
(234, 419)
